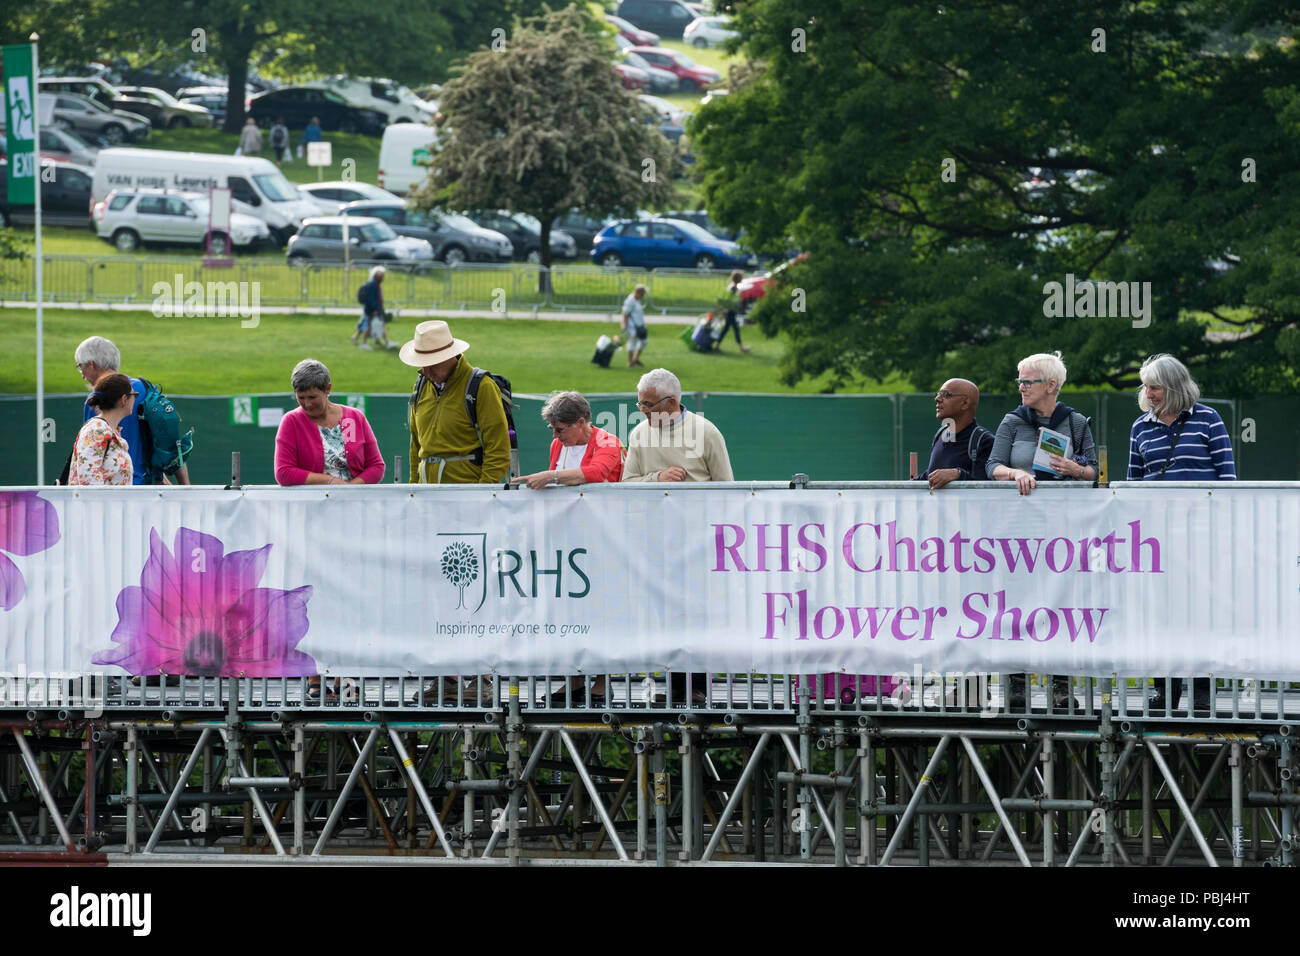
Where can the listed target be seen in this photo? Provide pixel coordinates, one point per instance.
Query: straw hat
(432, 344)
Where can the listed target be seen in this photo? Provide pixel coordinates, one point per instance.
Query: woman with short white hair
(1176, 438)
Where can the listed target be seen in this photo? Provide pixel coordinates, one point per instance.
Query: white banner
(1133, 580)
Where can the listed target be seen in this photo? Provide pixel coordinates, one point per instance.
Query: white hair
(662, 382)
(376, 272)
(101, 351)
(1165, 371)
(1048, 365)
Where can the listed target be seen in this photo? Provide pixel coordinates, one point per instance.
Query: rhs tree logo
(463, 564)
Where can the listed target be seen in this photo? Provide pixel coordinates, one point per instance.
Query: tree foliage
(542, 125)
(1143, 148)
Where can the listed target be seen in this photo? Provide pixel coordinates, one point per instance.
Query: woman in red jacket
(580, 452)
(321, 442)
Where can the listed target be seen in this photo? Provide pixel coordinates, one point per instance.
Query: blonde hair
(1048, 365)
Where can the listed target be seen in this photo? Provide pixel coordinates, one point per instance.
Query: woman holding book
(1040, 378)
(1042, 422)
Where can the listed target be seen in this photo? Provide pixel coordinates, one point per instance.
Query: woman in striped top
(1177, 439)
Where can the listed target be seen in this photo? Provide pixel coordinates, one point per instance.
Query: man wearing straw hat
(446, 448)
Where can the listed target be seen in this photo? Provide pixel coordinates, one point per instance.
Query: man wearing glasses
(961, 446)
(673, 444)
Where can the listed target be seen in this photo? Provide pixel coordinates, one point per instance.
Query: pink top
(603, 459)
(299, 451)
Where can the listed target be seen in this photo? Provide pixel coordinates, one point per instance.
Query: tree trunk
(544, 257)
(234, 52)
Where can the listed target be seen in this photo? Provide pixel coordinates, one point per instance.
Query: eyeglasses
(944, 396)
(646, 406)
(1027, 382)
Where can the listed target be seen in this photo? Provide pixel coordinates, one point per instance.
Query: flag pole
(40, 313)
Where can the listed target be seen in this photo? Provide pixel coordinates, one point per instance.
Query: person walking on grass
(634, 325)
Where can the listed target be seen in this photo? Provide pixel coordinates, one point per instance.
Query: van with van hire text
(404, 147)
(257, 187)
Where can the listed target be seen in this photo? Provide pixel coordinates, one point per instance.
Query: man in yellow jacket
(446, 449)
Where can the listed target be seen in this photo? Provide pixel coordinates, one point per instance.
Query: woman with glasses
(1039, 379)
(581, 453)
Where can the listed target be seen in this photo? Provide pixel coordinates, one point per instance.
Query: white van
(257, 186)
(403, 147)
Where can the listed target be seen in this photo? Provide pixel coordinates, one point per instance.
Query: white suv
(129, 217)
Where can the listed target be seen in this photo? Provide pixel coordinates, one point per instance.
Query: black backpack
(471, 409)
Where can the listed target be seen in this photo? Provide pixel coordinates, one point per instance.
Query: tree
(540, 124)
(897, 143)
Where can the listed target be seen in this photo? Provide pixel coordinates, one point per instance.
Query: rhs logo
(463, 564)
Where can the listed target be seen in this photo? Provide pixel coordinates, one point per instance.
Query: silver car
(129, 217)
(85, 115)
(321, 240)
(164, 110)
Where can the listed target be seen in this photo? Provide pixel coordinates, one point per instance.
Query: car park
(665, 243)
(368, 238)
(252, 181)
(634, 34)
(690, 75)
(631, 77)
(453, 238)
(329, 196)
(166, 111)
(668, 18)
(298, 104)
(582, 228)
(657, 80)
(129, 218)
(65, 196)
(524, 233)
(211, 98)
(394, 102)
(83, 115)
(708, 31)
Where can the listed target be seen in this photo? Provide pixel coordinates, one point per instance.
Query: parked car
(95, 88)
(753, 288)
(708, 31)
(166, 111)
(668, 18)
(665, 243)
(633, 33)
(631, 77)
(701, 219)
(454, 239)
(129, 218)
(664, 109)
(298, 104)
(402, 154)
(65, 200)
(63, 145)
(582, 228)
(690, 75)
(328, 197)
(394, 102)
(211, 98)
(659, 81)
(321, 239)
(525, 235)
(86, 115)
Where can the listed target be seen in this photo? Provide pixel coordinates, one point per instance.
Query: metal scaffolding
(655, 772)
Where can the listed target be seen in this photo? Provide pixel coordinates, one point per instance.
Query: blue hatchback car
(667, 244)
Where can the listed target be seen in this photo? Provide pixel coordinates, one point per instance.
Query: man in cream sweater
(673, 444)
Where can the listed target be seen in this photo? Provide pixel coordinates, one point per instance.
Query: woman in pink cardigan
(323, 443)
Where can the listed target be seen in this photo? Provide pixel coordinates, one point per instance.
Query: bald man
(961, 446)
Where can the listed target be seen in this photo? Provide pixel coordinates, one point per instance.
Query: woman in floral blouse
(99, 456)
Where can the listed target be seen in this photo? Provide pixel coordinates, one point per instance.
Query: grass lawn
(198, 356)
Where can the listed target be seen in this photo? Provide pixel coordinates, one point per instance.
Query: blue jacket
(372, 298)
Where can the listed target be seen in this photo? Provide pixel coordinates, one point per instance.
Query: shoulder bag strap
(1174, 444)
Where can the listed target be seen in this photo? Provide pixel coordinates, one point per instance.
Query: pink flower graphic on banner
(199, 611)
(28, 525)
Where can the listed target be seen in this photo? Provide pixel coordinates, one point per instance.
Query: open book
(1050, 443)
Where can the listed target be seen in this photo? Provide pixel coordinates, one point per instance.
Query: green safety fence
(769, 437)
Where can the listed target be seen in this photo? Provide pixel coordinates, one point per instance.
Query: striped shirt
(1204, 451)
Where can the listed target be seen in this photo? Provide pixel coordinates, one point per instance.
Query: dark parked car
(455, 239)
(582, 228)
(633, 33)
(525, 236)
(64, 202)
(666, 243)
(668, 18)
(690, 75)
(166, 111)
(659, 81)
(298, 105)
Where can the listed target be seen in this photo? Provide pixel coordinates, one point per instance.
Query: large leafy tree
(1166, 136)
(540, 124)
